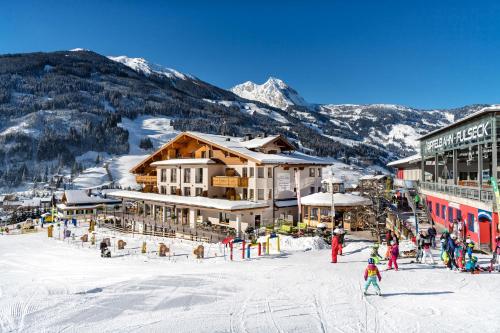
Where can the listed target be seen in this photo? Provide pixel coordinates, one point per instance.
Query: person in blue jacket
(470, 247)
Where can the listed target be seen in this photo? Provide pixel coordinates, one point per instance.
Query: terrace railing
(473, 193)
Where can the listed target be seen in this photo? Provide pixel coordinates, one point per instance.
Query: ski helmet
(336, 231)
(453, 236)
(467, 240)
(474, 258)
(371, 261)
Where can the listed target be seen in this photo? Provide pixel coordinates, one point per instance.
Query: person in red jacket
(335, 245)
(394, 256)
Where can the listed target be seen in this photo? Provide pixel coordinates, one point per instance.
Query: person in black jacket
(432, 235)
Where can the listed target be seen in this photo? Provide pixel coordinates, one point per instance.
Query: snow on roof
(237, 145)
(339, 200)
(203, 202)
(285, 203)
(372, 177)
(35, 202)
(177, 161)
(409, 159)
(76, 197)
(2, 198)
(258, 142)
(332, 180)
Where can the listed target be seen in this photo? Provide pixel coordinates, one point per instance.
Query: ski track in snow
(55, 286)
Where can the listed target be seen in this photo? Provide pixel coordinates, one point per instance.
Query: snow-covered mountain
(141, 65)
(273, 92)
(68, 109)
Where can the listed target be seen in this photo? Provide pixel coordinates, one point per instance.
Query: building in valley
(231, 182)
(456, 170)
(78, 204)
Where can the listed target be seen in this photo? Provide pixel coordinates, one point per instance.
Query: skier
(394, 256)
(472, 266)
(420, 246)
(335, 245)
(388, 239)
(426, 251)
(371, 275)
(375, 255)
(450, 250)
(460, 255)
(432, 234)
(496, 255)
(443, 241)
(341, 238)
(470, 247)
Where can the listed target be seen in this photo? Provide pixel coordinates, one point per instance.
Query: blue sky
(427, 54)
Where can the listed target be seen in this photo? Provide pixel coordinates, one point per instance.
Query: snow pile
(289, 243)
(274, 92)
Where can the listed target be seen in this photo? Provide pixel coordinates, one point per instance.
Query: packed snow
(141, 65)
(51, 285)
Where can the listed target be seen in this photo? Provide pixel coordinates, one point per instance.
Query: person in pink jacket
(394, 256)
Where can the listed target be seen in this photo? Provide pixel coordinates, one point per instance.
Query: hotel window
(198, 191)
(450, 214)
(311, 189)
(244, 172)
(437, 209)
(163, 190)
(443, 212)
(260, 172)
(429, 204)
(319, 189)
(459, 215)
(187, 175)
(312, 172)
(470, 222)
(187, 191)
(250, 194)
(260, 194)
(269, 172)
(199, 176)
(173, 190)
(163, 176)
(245, 194)
(173, 175)
(320, 172)
(251, 172)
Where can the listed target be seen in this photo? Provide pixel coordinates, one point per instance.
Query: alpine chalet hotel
(205, 179)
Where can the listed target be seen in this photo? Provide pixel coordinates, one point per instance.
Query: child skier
(473, 267)
(371, 275)
(426, 251)
(374, 254)
(470, 247)
(394, 256)
(335, 245)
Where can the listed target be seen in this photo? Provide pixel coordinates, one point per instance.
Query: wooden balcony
(229, 181)
(145, 179)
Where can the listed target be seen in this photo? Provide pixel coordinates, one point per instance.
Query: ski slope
(53, 286)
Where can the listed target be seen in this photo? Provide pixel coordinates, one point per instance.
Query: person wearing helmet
(371, 275)
(472, 266)
(335, 245)
(426, 251)
(394, 256)
(470, 247)
(450, 250)
(374, 254)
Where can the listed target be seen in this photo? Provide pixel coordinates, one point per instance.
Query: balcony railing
(144, 179)
(474, 193)
(229, 181)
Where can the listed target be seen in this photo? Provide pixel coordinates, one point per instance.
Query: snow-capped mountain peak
(274, 92)
(143, 66)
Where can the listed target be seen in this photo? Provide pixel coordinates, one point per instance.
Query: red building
(455, 174)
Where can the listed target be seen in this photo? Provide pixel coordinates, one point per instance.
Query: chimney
(247, 137)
